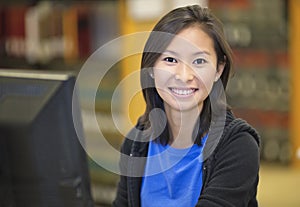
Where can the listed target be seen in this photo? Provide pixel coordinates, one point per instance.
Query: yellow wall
(294, 47)
(132, 63)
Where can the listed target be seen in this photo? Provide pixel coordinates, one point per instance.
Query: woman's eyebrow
(202, 52)
(171, 52)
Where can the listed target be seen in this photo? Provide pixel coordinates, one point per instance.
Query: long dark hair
(160, 37)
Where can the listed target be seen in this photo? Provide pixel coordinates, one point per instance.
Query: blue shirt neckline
(178, 176)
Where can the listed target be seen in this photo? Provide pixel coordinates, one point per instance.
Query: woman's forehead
(192, 41)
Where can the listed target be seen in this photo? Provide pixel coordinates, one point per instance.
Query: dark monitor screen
(42, 161)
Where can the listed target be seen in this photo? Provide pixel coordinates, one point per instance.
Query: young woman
(188, 149)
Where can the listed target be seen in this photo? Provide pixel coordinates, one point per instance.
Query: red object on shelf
(84, 33)
(14, 28)
(14, 21)
(261, 59)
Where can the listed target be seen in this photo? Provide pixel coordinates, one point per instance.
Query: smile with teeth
(183, 92)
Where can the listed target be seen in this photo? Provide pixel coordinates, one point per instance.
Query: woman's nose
(184, 73)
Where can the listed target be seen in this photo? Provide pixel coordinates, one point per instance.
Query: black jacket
(230, 173)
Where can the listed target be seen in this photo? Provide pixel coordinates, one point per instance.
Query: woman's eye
(170, 60)
(199, 61)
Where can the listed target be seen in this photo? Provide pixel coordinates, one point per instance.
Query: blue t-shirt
(173, 177)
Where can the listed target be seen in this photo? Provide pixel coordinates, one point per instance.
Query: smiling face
(185, 72)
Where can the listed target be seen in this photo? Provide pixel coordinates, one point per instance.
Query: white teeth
(182, 91)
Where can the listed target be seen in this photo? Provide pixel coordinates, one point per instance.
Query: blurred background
(264, 35)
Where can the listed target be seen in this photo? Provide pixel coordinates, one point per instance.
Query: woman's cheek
(206, 79)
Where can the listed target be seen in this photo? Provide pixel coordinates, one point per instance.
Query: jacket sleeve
(121, 199)
(233, 178)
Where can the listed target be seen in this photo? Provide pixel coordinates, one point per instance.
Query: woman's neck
(181, 125)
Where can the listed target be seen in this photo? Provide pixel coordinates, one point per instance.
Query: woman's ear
(151, 73)
(220, 70)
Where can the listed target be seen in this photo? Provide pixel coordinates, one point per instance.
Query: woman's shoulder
(238, 127)
(231, 133)
(239, 137)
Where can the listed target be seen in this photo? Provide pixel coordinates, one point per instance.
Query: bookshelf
(259, 90)
(38, 33)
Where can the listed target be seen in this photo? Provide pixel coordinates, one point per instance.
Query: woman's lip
(183, 91)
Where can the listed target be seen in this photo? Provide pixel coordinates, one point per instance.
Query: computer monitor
(42, 161)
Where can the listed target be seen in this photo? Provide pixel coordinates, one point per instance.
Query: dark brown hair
(161, 36)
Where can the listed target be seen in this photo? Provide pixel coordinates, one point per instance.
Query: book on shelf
(2, 32)
(14, 29)
(44, 33)
(77, 32)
